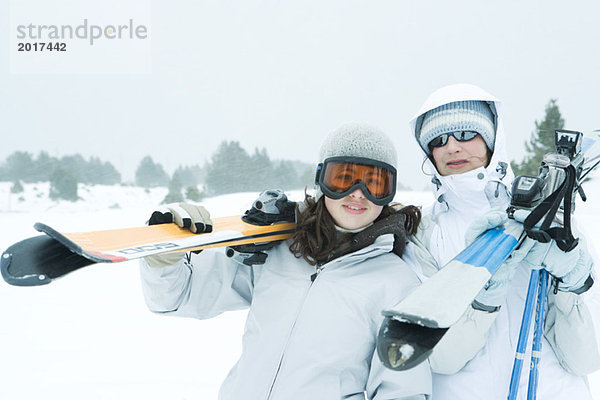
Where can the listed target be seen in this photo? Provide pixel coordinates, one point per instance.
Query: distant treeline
(23, 166)
(231, 169)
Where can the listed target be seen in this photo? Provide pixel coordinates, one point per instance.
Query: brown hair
(316, 237)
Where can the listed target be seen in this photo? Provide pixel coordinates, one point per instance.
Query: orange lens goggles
(340, 177)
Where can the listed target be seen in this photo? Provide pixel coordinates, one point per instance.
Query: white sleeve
(469, 334)
(462, 342)
(572, 325)
(202, 287)
(569, 328)
(386, 384)
(417, 253)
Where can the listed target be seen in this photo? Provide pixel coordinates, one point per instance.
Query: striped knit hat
(470, 115)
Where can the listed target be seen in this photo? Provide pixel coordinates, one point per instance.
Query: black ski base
(37, 261)
(402, 345)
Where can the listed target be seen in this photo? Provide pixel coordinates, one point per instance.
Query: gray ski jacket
(474, 359)
(308, 335)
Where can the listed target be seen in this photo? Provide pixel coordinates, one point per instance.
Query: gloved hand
(491, 297)
(185, 215)
(492, 219)
(250, 254)
(271, 206)
(572, 269)
(493, 294)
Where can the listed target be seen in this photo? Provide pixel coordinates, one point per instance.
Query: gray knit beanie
(470, 115)
(359, 140)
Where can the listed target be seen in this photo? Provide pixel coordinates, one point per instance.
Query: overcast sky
(282, 74)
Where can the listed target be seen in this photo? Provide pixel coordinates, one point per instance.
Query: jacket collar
(382, 244)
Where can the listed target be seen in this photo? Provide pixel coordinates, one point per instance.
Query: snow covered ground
(90, 335)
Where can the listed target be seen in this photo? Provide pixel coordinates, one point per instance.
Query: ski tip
(56, 235)
(25, 280)
(404, 345)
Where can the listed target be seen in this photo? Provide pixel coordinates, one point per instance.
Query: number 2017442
(40, 46)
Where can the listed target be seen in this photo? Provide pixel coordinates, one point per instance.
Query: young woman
(459, 128)
(315, 304)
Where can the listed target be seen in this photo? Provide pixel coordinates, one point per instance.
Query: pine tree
(541, 141)
(102, 173)
(17, 187)
(150, 174)
(43, 167)
(261, 170)
(228, 170)
(175, 186)
(18, 166)
(63, 185)
(284, 176)
(191, 175)
(193, 194)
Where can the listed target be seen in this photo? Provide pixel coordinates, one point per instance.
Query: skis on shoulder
(40, 259)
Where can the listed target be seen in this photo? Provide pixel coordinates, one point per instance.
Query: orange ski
(38, 260)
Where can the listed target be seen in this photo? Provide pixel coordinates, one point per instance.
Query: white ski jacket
(303, 339)
(474, 359)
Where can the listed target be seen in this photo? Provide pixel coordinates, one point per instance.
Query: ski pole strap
(586, 285)
(563, 236)
(548, 208)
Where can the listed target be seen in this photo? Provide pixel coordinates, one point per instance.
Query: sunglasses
(340, 176)
(461, 136)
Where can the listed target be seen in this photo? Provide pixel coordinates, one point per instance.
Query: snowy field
(90, 335)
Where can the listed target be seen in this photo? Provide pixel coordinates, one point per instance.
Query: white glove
(493, 294)
(491, 297)
(185, 215)
(492, 219)
(572, 269)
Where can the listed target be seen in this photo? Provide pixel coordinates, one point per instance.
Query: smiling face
(460, 157)
(354, 211)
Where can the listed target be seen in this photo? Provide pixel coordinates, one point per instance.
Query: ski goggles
(461, 136)
(340, 176)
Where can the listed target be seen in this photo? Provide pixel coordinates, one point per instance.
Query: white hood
(492, 181)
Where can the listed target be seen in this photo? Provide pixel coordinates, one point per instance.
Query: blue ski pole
(523, 334)
(536, 348)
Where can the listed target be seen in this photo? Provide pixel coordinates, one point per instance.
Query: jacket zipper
(316, 274)
(313, 277)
